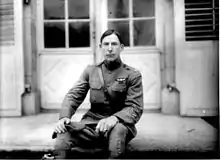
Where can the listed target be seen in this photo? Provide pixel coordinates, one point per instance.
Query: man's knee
(119, 131)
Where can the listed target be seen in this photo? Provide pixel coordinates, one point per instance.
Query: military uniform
(117, 92)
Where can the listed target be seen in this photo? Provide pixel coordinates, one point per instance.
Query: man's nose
(110, 47)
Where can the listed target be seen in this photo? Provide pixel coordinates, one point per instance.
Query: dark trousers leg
(77, 145)
(63, 145)
(118, 139)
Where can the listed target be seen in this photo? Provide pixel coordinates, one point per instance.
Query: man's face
(111, 47)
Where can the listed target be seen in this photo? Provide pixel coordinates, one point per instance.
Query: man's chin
(110, 59)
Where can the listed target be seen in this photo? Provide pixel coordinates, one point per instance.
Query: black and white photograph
(109, 79)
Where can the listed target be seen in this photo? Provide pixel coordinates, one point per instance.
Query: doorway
(69, 33)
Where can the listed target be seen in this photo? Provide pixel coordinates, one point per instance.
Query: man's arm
(76, 95)
(133, 109)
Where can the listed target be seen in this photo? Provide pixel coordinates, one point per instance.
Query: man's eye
(114, 44)
(105, 44)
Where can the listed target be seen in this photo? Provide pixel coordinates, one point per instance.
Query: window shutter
(202, 20)
(11, 57)
(6, 22)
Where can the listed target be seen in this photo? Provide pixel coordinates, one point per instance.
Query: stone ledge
(156, 132)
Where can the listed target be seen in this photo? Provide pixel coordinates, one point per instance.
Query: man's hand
(106, 124)
(60, 126)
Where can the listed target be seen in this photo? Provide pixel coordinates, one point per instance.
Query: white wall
(196, 70)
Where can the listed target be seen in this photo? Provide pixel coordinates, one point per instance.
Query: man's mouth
(110, 55)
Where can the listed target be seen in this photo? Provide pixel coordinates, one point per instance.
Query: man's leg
(69, 146)
(79, 143)
(63, 145)
(118, 139)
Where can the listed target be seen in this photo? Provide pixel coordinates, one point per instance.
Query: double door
(69, 34)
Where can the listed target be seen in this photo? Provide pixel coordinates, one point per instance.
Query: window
(202, 20)
(73, 24)
(134, 19)
(66, 23)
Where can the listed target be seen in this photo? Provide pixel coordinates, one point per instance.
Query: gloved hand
(106, 124)
(60, 126)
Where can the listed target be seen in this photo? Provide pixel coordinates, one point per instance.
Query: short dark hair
(110, 32)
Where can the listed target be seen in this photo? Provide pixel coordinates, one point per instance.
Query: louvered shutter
(7, 22)
(11, 57)
(202, 20)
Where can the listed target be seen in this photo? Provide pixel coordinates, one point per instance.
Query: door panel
(11, 58)
(197, 66)
(58, 75)
(148, 64)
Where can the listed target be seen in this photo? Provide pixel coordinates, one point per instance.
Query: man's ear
(122, 47)
(100, 45)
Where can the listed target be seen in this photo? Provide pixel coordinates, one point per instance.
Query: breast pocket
(96, 92)
(118, 91)
(117, 87)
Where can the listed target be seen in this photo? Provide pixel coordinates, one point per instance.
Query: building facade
(46, 44)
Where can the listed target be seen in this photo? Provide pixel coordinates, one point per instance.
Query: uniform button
(106, 102)
(105, 90)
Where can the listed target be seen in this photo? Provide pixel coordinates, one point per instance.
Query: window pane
(144, 32)
(54, 35)
(53, 9)
(143, 8)
(123, 28)
(79, 34)
(118, 8)
(78, 9)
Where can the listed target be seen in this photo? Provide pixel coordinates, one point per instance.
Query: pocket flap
(119, 87)
(95, 85)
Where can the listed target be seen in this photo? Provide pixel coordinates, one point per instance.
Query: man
(116, 97)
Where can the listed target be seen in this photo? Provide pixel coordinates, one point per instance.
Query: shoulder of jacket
(131, 69)
(99, 64)
(94, 65)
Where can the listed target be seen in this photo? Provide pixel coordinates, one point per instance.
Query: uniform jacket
(118, 92)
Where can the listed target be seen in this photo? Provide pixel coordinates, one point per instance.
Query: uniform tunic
(117, 92)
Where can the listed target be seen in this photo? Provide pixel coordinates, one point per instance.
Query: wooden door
(60, 64)
(65, 48)
(140, 24)
(11, 57)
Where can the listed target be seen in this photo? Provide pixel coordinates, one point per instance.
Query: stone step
(156, 133)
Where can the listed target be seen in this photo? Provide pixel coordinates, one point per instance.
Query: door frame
(99, 24)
